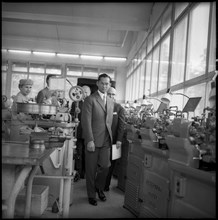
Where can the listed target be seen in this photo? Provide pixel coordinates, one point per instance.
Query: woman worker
(17, 123)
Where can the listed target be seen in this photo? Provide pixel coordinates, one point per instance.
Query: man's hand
(118, 144)
(91, 146)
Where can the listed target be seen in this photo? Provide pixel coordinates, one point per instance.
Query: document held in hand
(116, 153)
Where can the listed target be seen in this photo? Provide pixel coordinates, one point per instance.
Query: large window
(197, 41)
(179, 48)
(147, 89)
(155, 65)
(4, 76)
(164, 64)
(73, 70)
(90, 72)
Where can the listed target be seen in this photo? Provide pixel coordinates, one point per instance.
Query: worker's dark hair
(49, 76)
(104, 75)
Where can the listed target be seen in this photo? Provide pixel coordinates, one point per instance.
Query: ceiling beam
(111, 24)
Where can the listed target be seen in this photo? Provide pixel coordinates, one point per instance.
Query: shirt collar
(101, 94)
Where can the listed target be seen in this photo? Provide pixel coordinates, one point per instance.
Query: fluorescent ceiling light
(91, 57)
(115, 58)
(43, 53)
(20, 51)
(67, 55)
(4, 50)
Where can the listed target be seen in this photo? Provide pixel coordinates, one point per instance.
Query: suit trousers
(97, 164)
(80, 157)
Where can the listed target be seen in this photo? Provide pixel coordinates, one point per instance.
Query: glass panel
(137, 95)
(134, 86)
(197, 91)
(90, 72)
(38, 84)
(15, 81)
(197, 48)
(154, 73)
(4, 77)
(19, 67)
(110, 72)
(74, 71)
(142, 78)
(148, 76)
(53, 69)
(157, 33)
(150, 42)
(213, 46)
(4, 65)
(166, 20)
(164, 64)
(37, 68)
(179, 8)
(178, 56)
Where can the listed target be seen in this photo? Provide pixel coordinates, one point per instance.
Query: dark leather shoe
(93, 201)
(106, 189)
(101, 195)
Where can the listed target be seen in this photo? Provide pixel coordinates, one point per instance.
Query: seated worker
(117, 128)
(17, 123)
(44, 95)
(80, 146)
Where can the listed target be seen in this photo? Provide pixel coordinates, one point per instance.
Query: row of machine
(167, 169)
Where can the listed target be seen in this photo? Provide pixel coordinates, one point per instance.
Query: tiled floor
(112, 208)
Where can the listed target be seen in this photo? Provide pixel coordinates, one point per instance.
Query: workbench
(19, 164)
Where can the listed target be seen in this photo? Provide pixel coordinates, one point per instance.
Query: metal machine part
(76, 93)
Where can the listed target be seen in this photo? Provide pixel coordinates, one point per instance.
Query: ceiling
(107, 29)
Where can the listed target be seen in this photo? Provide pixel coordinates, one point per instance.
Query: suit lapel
(100, 101)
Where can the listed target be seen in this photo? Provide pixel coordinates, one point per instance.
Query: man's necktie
(105, 100)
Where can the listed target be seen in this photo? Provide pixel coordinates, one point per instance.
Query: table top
(19, 153)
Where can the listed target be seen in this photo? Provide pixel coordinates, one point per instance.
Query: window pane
(150, 42)
(37, 68)
(157, 33)
(74, 70)
(137, 84)
(38, 84)
(53, 69)
(164, 64)
(4, 65)
(90, 72)
(166, 20)
(15, 81)
(213, 46)
(142, 78)
(198, 34)
(110, 72)
(19, 67)
(148, 76)
(179, 8)
(178, 56)
(154, 74)
(4, 77)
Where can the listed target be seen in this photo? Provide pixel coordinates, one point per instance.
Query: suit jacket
(118, 123)
(96, 119)
(72, 112)
(43, 94)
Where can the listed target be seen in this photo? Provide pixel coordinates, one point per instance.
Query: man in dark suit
(80, 146)
(97, 116)
(118, 125)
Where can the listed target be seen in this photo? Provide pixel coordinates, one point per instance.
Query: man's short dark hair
(104, 75)
(49, 76)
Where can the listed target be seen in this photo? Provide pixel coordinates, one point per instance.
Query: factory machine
(171, 162)
(49, 126)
